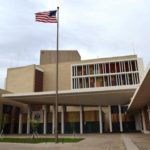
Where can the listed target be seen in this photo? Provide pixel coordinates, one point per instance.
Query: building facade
(93, 94)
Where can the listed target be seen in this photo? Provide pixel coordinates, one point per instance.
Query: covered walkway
(108, 103)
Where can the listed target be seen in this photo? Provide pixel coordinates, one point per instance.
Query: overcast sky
(96, 28)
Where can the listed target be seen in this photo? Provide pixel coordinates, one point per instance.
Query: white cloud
(95, 28)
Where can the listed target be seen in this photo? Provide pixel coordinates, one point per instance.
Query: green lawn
(40, 140)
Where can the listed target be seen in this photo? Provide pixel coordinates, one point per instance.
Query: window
(91, 69)
(133, 65)
(130, 79)
(105, 74)
(87, 82)
(112, 67)
(101, 68)
(118, 66)
(92, 82)
(80, 83)
(99, 82)
(127, 66)
(84, 70)
(113, 80)
(123, 79)
(106, 81)
(107, 68)
(79, 70)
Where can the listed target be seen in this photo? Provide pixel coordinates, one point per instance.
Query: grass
(40, 140)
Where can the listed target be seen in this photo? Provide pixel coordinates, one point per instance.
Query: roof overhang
(89, 97)
(141, 96)
(2, 91)
(8, 101)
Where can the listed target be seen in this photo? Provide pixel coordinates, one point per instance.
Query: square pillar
(81, 119)
(28, 119)
(62, 119)
(100, 120)
(110, 119)
(44, 119)
(53, 119)
(120, 118)
(138, 122)
(143, 121)
(20, 124)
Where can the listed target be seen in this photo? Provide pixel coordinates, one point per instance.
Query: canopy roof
(8, 101)
(89, 97)
(141, 96)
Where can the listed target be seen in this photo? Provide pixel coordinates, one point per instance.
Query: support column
(28, 119)
(44, 119)
(20, 124)
(81, 119)
(138, 122)
(120, 118)
(100, 120)
(53, 119)
(62, 120)
(110, 119)
(143, 121)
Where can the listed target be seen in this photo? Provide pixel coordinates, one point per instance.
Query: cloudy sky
(97, 28)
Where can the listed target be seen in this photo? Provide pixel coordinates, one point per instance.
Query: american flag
(46, 17)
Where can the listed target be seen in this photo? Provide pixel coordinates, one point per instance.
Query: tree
(34, 126)
(73, 128)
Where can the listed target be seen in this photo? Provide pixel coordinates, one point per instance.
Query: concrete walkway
(91, 142)
(142, 141)
(129, 144)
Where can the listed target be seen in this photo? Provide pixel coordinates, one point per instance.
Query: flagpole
(57, 61)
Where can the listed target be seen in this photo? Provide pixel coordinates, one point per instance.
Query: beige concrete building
(93, 94)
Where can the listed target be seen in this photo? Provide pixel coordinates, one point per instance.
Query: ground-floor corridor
(71, 119)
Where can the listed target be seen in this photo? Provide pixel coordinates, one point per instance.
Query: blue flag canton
(52, 13)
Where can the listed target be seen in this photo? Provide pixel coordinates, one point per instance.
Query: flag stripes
(46, 17)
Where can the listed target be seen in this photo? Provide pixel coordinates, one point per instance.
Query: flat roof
(89, 97)
(141, 96)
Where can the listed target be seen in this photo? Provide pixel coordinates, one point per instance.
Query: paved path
(129, 144)
(142, 141)
(91, 142)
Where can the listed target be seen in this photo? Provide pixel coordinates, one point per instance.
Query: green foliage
(2, 121)
(40, 140)
(34, 125)
(73, 127)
